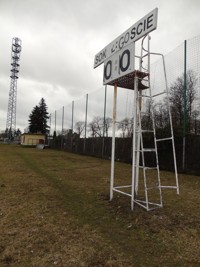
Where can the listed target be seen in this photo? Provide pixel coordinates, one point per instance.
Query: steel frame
(137, 144)
(12, 102)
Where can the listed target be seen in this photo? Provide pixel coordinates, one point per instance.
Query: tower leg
(134, 143)
(113, 142)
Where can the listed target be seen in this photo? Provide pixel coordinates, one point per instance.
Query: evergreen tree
(34, 118)
(43, 116)
(38, 118)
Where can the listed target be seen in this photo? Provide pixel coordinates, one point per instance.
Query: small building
(28, 139)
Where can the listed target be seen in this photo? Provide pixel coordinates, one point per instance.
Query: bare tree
(146, 120)
(126, 127)
(195, 122)
(66, 132)
(96, 127)
(80, 126)
(161, 115)
(107, 125)
(176, 97)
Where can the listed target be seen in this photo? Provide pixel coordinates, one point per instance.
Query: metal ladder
(151, 197)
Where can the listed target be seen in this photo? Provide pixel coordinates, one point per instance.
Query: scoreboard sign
(120, 64)
(145, 25)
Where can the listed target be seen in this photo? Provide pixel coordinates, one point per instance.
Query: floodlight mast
(12, 102)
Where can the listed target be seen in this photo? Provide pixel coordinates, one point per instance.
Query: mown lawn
(55, 211)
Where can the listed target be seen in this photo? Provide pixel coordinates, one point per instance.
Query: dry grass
(55, 211)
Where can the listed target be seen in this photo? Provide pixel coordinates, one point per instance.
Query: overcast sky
(61, 37)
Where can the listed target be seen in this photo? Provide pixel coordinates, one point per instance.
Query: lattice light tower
(12, 102)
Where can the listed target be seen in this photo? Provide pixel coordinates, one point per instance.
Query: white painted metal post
(49, 129)
(134, 147)
(138, 136)
(55, 122)
(50, 124)
(113, 142)
(63, 112)
(86, 111)
(72, 116)
(172, 131)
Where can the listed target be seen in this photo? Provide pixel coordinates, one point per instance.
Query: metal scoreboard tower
(145, 187)
(12, 102)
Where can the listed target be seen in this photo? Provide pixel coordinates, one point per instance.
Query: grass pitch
(55, 211)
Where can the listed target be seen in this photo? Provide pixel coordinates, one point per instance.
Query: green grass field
(55, 211)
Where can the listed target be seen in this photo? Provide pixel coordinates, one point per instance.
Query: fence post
(55, 122)
(63, 110)
(113, 142)
(72, 125)
(185, 101)
(72, 116)
(86, 109)
(104, 121)
(49, 129)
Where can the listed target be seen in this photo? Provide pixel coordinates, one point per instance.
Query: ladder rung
(168, 186)
(147, 168)
(152, 187)
(146, 150)
(149, 149)
(164, 92)
(163, 139)
(145, 131)
(151, 168)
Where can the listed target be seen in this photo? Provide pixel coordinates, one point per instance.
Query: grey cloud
(60, 39)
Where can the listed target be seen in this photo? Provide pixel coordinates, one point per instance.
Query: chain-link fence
(85, 124)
